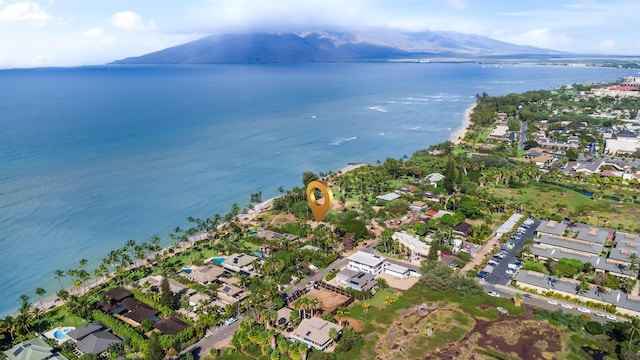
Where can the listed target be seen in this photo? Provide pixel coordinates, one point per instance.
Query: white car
(599, 314)
(230, 320)
(584, 310)
(552, 302)
(611, 317)
(567, 306)
(502, 310)
(493, 293)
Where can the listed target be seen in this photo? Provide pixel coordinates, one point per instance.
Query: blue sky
(83, 32)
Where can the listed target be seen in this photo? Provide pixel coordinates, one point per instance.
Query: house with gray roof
(239, 262)
(33, 349)
(551, 227)
(93, 338)
(356, 280)
(388, 197)
(600, 264)
(314, 333)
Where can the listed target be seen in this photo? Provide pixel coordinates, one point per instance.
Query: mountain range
(332, 46)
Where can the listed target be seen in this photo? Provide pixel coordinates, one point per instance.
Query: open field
(424, 324)
(551, 199)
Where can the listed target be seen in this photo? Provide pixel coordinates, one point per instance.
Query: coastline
(459, 134)
(52, 301)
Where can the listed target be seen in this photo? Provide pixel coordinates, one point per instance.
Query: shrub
(594, 328)
(533, 266)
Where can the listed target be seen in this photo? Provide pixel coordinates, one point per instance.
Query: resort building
(625, 304)
(33, 349)
(551, 227)
(608, 266)
(366, 262)
(356, 280)
(586, 248)
(625, 245)
(314, 333)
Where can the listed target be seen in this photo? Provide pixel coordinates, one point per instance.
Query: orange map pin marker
(319, 209)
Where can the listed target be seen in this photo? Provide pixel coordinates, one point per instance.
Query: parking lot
(504, 265)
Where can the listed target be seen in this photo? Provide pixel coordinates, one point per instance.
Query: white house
(366, 262)
(398, 271)
(314, 333)
(413, 243)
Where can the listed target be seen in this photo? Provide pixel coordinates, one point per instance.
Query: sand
(459, 134)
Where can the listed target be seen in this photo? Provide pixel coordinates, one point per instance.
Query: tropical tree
(582, 288)
(40, 292)
(366, 306)
(301, 304)
(333, 334)
(58, 274)
(634, 326)
(342, 313)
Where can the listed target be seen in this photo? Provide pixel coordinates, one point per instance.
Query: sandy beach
(459, 134)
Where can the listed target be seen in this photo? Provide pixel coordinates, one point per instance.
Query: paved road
(499, 276)
(213, 336)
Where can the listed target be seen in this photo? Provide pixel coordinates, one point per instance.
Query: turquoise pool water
(186, 271)
(257, 254)
(61, 334)
(217, 261)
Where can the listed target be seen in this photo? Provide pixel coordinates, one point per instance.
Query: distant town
(518, 239)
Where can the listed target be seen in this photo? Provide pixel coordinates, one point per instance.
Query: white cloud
(40, 60)
(27, 11)
(458, 4)
(129, 20)
(542, 37)
(97, 36)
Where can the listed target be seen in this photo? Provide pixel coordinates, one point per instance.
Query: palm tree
(301, 304)
(40, 292)
(582, 288)
(313, 304)
(342, 313)
(634, 326)
(59, 274)
(366, 306)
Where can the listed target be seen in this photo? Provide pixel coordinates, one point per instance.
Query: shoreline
(52, 301)
(458, 135)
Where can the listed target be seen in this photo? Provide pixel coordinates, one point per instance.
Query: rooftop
(567, 243)
(551, 227)
(366, 258)
(315, 330)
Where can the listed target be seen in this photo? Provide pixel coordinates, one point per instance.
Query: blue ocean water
(91, 157)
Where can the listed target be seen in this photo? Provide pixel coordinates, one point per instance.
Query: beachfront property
(120, 303)
(314, 333)
(178, 289)
(356, 280)
(204, 274)
(92, 338)
(33, 349)
(239, 262)
(418, 248)
(366, 262)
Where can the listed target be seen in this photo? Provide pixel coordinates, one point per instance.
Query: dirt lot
(329, 301)
(448, 333)
(400, 284)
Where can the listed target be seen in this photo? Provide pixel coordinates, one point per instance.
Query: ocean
(94, 156)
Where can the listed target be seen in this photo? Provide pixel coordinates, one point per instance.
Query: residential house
(464, 229)
(239, 262)
(366, 262)
(171, 326)
(388, 197)
(625, 245)
(314, 333)
(177, 288)
(413, 243)
(205, 274)
(499, 133)
(135, 312)
(93, 338)
(418, 206)
(356, 280)
(434, 178)
(586, 248)
(429, 196)
(33, 349)
(508, 225)
(399, 271)
(407, 189)
(231, 294)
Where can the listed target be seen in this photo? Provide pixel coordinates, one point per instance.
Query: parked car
(584, 310)
(493, 293)
(528, 296)
(502, 310)
(482, 276)
(567, 306)
(492, 263)
(230, 320)
(552, 302)
(599, 314)
(510, 272)
(611, 317)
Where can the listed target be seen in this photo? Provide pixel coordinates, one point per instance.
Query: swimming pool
(61, 334)
(258, 254)
(185, 270)
(217, 261)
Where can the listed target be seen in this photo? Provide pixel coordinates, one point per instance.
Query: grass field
(552, 199)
